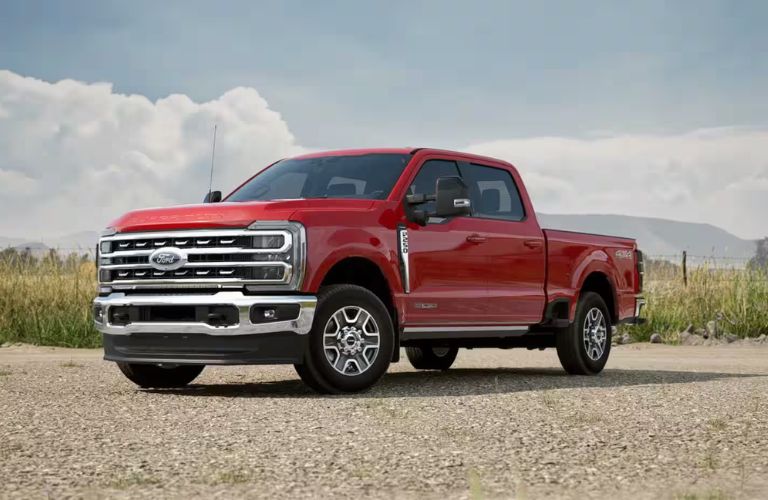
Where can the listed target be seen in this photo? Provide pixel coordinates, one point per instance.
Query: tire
(431, 358)
(155, 376)
(344, 353)
(586, 358)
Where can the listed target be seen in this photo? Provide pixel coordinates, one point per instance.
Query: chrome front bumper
(300, 325)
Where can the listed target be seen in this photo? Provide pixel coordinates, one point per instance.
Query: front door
(447, 263)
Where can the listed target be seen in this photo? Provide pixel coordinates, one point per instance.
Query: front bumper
(301, 325)
(198, 342)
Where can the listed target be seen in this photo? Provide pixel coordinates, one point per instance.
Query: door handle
(533, 243)
(476, 238)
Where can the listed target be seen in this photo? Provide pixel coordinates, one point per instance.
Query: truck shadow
(461, 382)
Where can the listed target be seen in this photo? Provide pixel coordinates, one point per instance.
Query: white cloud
(718, 176)
(75, 155)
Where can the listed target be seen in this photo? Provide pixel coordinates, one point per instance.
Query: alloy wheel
(595, 333)
(351, 340)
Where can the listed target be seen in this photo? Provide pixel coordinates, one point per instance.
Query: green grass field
(48, 302)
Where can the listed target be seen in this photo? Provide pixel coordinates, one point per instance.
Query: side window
(493, 192)
(426, 179)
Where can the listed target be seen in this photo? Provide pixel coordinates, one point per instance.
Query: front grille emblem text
(167, 259)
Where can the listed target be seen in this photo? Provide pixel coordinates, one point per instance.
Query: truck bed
(572, 256)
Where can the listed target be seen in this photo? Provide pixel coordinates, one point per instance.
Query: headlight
(282, 242)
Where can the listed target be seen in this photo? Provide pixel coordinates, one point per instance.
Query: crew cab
(333, 261)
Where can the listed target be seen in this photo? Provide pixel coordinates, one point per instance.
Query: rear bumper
(245, 339)
(636, 319)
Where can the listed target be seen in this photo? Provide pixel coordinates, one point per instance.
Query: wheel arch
(601, 283)
(364, 272)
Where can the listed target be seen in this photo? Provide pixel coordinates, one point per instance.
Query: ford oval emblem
(167, 259)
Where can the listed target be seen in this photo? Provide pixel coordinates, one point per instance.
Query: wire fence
(674, 267)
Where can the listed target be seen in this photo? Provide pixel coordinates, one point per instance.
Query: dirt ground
(660, 422)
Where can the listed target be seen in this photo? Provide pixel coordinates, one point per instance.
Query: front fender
(328, 248)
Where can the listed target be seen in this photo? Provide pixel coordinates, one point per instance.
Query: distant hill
(654, 236)
(658, 236)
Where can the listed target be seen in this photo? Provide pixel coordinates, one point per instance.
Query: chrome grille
(210, 257)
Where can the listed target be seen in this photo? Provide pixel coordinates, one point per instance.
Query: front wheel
(583, 348)
(351, 342)
(158, 376)
(431, 358)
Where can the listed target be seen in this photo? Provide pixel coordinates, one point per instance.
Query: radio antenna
(213, 157)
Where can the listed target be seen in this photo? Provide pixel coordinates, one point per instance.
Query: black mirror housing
(452, 197)
(212, 197)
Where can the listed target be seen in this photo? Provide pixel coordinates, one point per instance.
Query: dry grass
(736, 298)
(48, 303)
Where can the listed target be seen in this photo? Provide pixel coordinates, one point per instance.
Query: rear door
(512, 242)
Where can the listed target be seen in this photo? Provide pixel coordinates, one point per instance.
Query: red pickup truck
(333, 261)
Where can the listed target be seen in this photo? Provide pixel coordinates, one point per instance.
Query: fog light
(98, 314)
(268, 313)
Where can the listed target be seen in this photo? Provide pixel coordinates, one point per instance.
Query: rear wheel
(431, 358)
(351, 342)
(583, 348)
(157, 376)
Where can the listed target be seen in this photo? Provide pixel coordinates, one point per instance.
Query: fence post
(685, 268)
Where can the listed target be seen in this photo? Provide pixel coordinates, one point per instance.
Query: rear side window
(493, 192)
(426, 180)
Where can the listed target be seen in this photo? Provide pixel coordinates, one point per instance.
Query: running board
(411, 333)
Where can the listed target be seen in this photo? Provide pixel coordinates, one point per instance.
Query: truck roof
(403, 150)
(353, 152)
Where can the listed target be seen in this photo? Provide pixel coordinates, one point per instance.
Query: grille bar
(195, 251)
(265, 263)
(210, 257)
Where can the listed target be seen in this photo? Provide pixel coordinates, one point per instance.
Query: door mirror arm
(420, 217)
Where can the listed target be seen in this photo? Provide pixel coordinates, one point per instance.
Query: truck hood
(227, 215)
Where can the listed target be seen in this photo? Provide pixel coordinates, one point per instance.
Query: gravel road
(660, 422)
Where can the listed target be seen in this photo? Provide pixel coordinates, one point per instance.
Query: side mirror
(452, 197)
(212, 197)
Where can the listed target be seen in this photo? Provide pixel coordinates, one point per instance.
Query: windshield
(370, 176)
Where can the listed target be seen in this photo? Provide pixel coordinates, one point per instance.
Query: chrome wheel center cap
(350, 341)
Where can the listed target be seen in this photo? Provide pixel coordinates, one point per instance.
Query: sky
(647, 108)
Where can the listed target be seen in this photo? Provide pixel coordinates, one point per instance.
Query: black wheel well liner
(600, 284)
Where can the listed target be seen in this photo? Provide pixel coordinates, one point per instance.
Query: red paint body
(478, 271)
